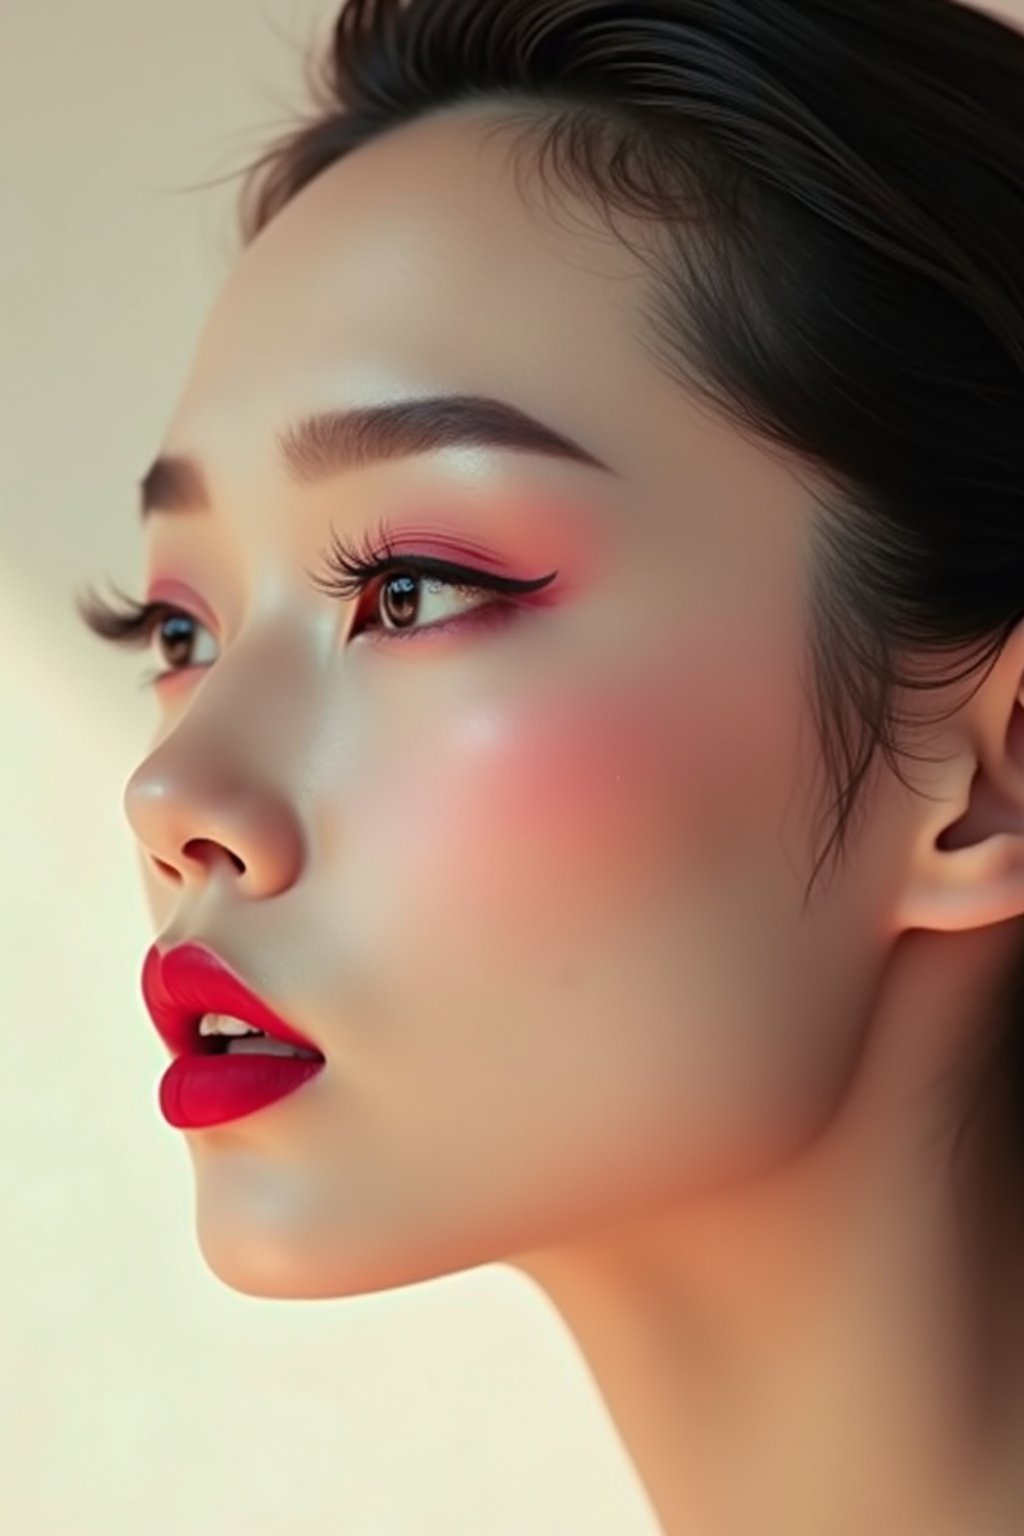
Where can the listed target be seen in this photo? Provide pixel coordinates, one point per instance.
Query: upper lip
(189, 981)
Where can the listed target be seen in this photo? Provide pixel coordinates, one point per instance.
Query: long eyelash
(350, 566)
(131, 625)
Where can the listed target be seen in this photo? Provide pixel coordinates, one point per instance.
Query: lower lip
(199, 1090)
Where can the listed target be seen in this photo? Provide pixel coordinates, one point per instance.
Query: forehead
(435, 260)
(417, 260)
(431, 216)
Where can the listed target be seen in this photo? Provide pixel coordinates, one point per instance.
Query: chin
(271, 1267)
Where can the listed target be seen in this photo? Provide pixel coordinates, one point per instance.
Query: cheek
(566, 793)
(555, 789)
(527, 825)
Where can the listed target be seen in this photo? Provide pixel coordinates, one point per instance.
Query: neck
(824, 1353)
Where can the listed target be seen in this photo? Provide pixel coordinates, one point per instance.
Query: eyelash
(348, 569)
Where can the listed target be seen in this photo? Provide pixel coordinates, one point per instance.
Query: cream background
(137, 1393)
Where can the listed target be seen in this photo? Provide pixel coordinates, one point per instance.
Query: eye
(349, 570)
(410, 600)
(136, 625)
(174, 629)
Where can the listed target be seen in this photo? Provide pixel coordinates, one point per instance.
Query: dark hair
(838, 192)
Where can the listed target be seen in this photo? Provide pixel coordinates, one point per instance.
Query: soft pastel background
(137, 1393)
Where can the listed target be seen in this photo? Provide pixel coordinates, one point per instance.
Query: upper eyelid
(136, 623)
(352, 563)
(345, 570)
(426, 567)
(341, 580)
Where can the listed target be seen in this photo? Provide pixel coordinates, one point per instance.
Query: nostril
(207, 852)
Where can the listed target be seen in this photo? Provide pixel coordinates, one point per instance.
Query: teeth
(223, 1024)
(254, 1041)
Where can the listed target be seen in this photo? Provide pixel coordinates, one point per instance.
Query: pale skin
(535, 890)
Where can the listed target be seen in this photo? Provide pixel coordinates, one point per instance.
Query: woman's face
(533, 887)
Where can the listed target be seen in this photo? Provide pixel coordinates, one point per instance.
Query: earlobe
(975, 885)
(968, 869)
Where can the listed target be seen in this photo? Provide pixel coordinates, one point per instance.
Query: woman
(591, 724)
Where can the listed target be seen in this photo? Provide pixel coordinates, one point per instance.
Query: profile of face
(531, 881)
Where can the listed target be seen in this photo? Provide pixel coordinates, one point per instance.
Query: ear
(968, 859)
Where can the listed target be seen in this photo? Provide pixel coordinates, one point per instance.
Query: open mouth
(249, 1045)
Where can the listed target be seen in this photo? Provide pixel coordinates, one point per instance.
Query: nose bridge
(216, 786)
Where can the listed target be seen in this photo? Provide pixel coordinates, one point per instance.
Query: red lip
(186, 982)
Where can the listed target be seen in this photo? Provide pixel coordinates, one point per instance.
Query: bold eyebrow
(329, 442)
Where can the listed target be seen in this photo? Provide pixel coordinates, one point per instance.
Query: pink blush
(561, 800)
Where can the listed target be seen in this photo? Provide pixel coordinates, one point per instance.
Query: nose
(193, 823)
(215, 799)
